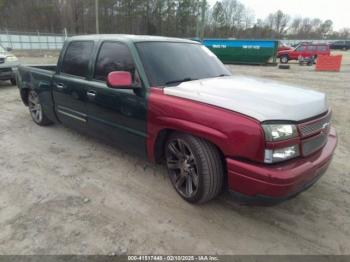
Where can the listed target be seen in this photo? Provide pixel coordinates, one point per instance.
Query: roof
(131, 38)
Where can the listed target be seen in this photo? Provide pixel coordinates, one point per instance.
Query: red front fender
(234, 134)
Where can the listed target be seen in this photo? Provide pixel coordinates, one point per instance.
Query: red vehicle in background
(304, 50)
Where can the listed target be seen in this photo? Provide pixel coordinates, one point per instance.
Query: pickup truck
(8, 65)
(172, 101)
(303, 50)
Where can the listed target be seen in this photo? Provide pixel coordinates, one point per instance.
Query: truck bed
(45, 67)
(36, 77)
(27, 73)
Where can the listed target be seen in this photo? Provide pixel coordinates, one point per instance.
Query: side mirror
(9, 49)
(119, 79)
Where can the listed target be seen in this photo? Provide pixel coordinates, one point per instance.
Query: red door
(299, 51)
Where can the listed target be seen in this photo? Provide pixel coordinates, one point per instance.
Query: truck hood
(258, 98)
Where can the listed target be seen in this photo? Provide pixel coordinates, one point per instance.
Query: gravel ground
(65, 193)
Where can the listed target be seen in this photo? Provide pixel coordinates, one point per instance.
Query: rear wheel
(35, 109)
(13, 81)
(284, 59)
(195, 167)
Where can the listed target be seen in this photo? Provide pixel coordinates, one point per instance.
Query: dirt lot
(65, 193)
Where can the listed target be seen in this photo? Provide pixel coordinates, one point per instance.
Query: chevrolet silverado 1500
(173, 101)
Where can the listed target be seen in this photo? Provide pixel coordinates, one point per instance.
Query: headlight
(281, 154)
(11, 59)
(278, 132)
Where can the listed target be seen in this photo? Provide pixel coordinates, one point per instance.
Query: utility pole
(65, 33)
(97, 17)
(204, 6)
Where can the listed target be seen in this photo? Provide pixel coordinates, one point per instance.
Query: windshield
(2, 50)
(168, 63)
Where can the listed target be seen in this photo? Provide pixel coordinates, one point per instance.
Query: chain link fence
(32, 40)
(47, 41)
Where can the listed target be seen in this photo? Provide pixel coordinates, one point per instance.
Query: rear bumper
(274, 183)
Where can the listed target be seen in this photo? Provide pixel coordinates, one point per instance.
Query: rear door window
(77, 57)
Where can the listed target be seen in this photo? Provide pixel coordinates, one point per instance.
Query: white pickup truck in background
(8, 65)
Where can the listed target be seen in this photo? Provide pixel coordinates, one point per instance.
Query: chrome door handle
(60, 86)
(91, 94)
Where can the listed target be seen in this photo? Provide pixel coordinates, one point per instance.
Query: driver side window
(114, 56)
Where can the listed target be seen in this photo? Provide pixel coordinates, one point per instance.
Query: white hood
(258, 98)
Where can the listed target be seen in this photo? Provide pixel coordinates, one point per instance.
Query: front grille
(315, 126)
(313, 144)
(314, 133)
(2, 60)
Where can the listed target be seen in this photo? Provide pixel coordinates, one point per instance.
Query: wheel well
(24, 95)
(159, 145)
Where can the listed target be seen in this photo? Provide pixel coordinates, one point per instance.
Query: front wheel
(284, 59)
(195, 167)
(13, 82)
(36, 110)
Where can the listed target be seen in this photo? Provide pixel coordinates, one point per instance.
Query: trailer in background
(243, 51)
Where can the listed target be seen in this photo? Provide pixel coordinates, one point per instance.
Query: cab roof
(130, 38)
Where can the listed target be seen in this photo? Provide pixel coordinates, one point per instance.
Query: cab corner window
(114, 57)
(77, 57)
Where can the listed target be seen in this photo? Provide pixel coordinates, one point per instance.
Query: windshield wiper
(180, 80)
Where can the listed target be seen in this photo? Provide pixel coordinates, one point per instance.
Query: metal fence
(32, 40)
(323, 41)
(46, 41)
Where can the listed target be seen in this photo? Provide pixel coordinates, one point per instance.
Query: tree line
(180, 18)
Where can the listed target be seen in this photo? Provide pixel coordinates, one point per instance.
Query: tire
(284, 66)
(195, 167)
(284, 59)
(36, 111)
(13, 82)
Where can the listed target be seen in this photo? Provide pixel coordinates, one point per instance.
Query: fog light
(281, 154)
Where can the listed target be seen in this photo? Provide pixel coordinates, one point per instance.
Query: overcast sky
(336, 10)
